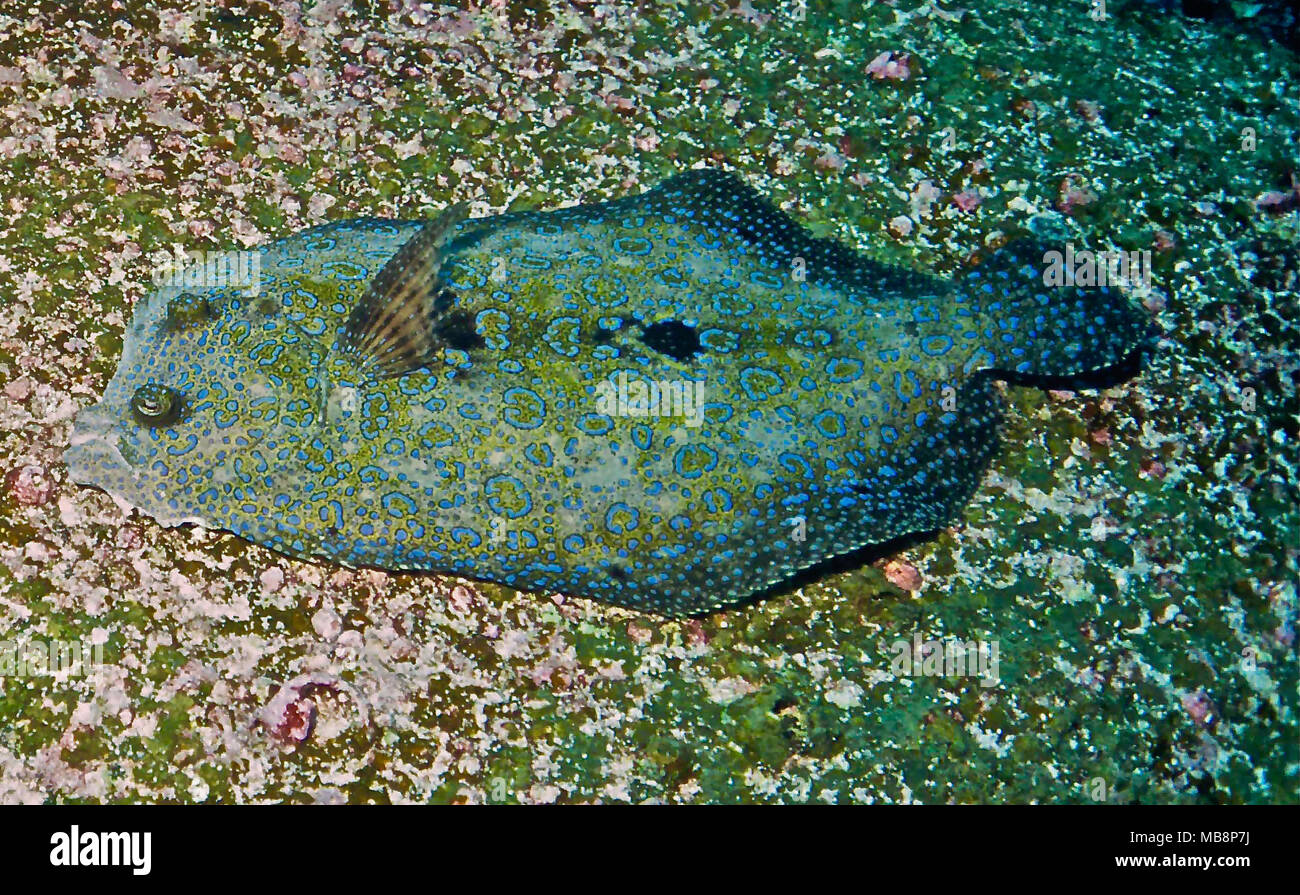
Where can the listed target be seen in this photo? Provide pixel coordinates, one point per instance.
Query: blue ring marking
(493, 489)
(621, 518)
(693, 460)
(830, 423)
(524, 408)
(460, 534)
(844, 369)
(392, 499)
(936, 346)
(795, 464)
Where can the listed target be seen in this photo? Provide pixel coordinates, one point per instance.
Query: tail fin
(1033, 326)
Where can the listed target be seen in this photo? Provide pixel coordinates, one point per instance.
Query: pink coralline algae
(272, 579)
(888, 66)
(966, 200)
(638, 633)
(1074, 193)
(290, 716)
(903, 575)
(30, 485)
(923, 197)
(830, 161)
(296, 721)
(19, 389)
(695, 633)
(1199, 707)
(1088, 109)
(1278, 202)
(621, 104)
(1153, 469)
(1284, 634)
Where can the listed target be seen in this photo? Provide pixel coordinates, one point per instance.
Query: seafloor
(1133, 552)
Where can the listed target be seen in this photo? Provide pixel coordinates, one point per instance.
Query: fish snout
(93, 448)
(90, 423)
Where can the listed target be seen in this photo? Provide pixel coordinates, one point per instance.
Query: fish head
(201, 382)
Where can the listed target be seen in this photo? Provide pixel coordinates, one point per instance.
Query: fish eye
(187, 309)
(156, 405)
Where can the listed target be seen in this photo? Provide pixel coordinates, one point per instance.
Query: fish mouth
(92, 447)
(93, 458)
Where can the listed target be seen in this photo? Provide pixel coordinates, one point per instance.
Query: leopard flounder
(669, 401)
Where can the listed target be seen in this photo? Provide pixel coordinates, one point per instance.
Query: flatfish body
(670, 401)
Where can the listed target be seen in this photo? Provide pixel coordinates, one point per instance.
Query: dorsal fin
(722, 202)
(392, 330)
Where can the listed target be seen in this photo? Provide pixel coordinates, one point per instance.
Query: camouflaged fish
(670, 401)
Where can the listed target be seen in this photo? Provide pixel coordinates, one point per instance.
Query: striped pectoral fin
(394, 327)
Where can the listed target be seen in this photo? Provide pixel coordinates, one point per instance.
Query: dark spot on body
(673, 338)
(456, 329)
(618, 572)
(443, 301)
